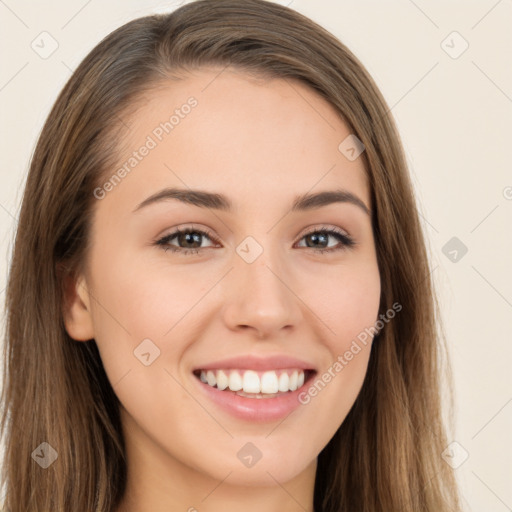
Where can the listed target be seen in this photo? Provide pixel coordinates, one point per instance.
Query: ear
(76, 308)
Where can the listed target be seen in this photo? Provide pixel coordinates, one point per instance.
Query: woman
(292, 361)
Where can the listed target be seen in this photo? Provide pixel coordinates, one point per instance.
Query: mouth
(256, 384)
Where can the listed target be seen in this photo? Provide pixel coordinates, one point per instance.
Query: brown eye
(320, 239)
(189, 241)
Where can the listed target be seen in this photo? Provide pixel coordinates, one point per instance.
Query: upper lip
(251, 362)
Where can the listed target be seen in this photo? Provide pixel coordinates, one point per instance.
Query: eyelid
(187, 229)
(322, 228)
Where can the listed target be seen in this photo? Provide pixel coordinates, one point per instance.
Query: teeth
(284, 382)
(300, 379)
(210, 378)
(293, 381)
(258, 396)
(269, 383)
(235, 381)
(222, 380)
(251, 382)
(254, 384)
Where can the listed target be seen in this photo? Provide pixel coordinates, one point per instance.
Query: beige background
(455, 117)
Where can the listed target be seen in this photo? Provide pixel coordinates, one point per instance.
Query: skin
(261, 143)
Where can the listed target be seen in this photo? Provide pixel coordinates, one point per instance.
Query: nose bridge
(260, 296)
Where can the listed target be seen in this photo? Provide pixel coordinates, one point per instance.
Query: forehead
(222, 129)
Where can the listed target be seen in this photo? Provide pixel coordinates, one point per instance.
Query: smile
(255, 384)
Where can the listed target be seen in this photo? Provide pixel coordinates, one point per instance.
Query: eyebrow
(216, 201)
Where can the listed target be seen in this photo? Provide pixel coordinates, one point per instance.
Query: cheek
(143, 306)
(348, 307)
(346, 301)
(145, 300)
(142, 324)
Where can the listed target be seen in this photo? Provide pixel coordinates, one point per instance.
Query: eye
(320, 236)
(192, 237)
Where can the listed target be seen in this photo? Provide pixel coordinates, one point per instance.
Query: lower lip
(254, 409)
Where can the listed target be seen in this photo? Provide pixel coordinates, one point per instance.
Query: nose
(259, 297)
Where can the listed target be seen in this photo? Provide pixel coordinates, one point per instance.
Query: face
(274, 288)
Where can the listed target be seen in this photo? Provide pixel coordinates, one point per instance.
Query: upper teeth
(251, 382)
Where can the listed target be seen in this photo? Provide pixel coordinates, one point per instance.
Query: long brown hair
(386, 455)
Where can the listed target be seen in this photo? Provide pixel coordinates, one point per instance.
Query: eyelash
(346, 241)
